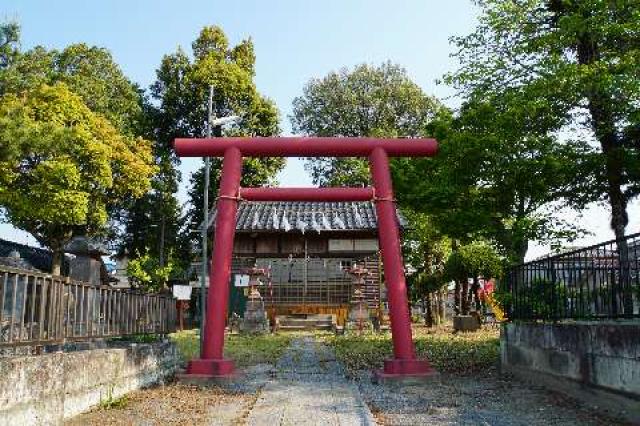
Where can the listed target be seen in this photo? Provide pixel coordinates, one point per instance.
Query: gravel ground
(480, 399)
(171, 405)
(307, 386)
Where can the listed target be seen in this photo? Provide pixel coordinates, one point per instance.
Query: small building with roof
(307, 249)
(21, 256)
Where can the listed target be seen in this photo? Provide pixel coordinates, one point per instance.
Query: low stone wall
(45, 389)
(598, 362)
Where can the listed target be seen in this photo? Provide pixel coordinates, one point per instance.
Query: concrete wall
(45, 389)
(598, 362)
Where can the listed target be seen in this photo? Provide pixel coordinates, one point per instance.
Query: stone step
(305, 322)
(305, 327)
(290, 321)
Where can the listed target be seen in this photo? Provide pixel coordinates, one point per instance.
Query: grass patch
(111, 403)
(138, 338)
(447, 352)
(245, 350)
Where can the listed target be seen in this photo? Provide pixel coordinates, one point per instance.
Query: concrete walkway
(309, 388)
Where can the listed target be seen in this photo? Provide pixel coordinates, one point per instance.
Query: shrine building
(307, 247)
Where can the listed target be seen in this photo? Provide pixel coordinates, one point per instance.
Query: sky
(295, 40)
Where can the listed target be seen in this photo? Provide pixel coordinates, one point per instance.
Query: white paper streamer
(274, 218)
(357, 216)
(285, 223)
(314, 224)
(337, 222)
(325, 222)
(301, 224)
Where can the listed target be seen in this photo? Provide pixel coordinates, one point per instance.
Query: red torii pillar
(212, 362)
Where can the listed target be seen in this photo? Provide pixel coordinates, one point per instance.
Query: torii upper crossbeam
(212, 362)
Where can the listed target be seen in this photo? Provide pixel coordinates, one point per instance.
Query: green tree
(568, 62)
(370, 101)
(498, 175)
(155, 223)
(9, 38)
(147, 273)
(182, 88)
(425, 253)
(88, 71)
(62, 167)
(473, 260)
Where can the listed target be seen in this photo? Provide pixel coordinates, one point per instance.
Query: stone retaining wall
(45, 389)
(595, 361)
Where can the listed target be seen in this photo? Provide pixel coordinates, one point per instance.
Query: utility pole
(205, 224)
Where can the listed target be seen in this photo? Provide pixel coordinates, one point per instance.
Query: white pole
(205, 226)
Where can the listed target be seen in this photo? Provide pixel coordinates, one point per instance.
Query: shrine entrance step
(305, 322)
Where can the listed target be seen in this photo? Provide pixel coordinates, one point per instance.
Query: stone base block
(204, 380)
(405, 371)
(210, 367)
(466, 323)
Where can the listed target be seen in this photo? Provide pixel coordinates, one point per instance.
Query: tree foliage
(425, 252)
(146, 272)
(497, 176)
(374, 101)
(88, 71)
(9, 38)
(182, 88)
(62, 166)
(471, 261)
(566, 62)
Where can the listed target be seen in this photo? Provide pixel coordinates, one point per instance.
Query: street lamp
(219, 122)
(216, 123)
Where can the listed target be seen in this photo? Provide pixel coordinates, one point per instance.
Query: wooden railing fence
(41, 309)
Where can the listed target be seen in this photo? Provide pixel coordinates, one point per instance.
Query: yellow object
(341, 312)
(495, 307)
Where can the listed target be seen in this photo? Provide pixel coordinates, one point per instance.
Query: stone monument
(255, 317)
(359, 312)
(87, 265)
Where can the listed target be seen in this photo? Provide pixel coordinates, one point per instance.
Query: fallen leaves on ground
(244, 349)
(448, 352)
(172, 404)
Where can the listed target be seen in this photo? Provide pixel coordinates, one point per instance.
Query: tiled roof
(298, 216)
(29, 256)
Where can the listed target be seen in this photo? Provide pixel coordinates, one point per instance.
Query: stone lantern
(87, 265)
(359, 311)
(255, 317)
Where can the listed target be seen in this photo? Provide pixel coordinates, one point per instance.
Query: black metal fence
(40, 309)
(597, 282)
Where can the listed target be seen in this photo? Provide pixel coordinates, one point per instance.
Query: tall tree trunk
(465, 297)
(457, 307)
(162, 232)
(604, 126)
(475, 293)
(520, 250)
(428, 315)
(436, 313)
(442, 300)
(56, 261)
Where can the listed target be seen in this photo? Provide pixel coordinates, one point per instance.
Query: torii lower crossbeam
(212, 363)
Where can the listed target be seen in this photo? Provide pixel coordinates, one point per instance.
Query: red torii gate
(211, 363)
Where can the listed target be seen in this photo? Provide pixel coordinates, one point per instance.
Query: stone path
(309, 388)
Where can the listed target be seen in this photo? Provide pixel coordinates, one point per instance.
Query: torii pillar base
(405, 372)
(211, 367)
(209, 372)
